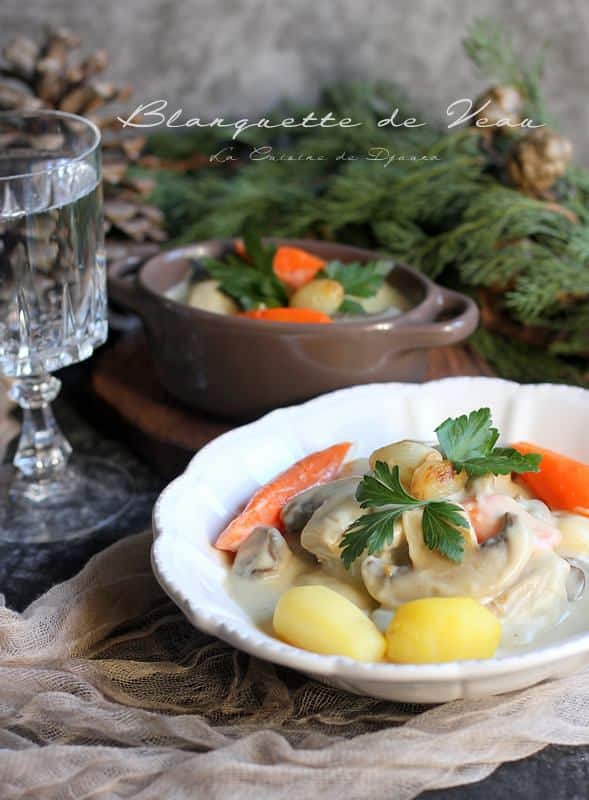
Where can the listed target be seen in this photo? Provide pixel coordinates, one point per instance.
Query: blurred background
(503, 216)
(240, 56)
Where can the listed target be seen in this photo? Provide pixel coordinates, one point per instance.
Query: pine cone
(539, 159)
(47, 75)
(505, 104)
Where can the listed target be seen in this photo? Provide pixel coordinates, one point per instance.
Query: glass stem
(43, 451)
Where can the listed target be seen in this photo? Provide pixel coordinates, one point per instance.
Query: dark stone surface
(26, 571)
(557, 773)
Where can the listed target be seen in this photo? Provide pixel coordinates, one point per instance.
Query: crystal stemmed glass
(53, 312)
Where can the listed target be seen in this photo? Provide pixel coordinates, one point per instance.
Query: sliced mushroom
(323, 533)
(301, 508)
(420, 556)
(485, 571)
(263, 554)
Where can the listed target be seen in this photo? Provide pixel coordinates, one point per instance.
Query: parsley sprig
(469, 443)
(252, 283)
(358, 279)
(373, 531)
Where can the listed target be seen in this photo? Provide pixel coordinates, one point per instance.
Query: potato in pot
(207, 296)
(322, 295)
(387, 297)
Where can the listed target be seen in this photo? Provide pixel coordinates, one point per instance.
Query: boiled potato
(406, 455)
(318, 619)
(320, 295)
(207, 296)
(436, 629)
(386, 297)
(574, 530)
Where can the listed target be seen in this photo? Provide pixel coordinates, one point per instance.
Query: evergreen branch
(541, 290)
(521, 362)
(450, 216)
(491, 49)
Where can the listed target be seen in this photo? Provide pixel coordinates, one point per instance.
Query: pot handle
(122, 283)
(460, 317)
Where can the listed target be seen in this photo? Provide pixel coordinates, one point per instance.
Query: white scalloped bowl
(194, 508)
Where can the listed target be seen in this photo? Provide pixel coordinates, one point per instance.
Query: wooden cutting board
(129, 399)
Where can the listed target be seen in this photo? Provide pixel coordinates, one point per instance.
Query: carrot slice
(240, 249)
(265, 505)
(295, 267)
(287, 315)
(562, 482)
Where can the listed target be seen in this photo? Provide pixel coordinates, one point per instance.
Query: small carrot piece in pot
(240, 249)
(295, 267)
(562, 483)
(265, 505)
(286, 314)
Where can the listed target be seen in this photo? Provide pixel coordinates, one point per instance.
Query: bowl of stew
(239, 362)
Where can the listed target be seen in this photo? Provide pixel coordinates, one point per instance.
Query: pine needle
(491, 49)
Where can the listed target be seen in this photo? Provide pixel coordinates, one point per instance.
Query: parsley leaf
(349, 306)
(259, 254)
(358, 279)
(467, 436)
(502, 461)
(252, 283)
(469, 443)
(382, 488)
(369, 532)
(439, 524)
(374, 530)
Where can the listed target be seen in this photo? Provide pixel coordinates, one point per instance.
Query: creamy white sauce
(258, 598)
(258, 595)
(536, 617)
(574, 622)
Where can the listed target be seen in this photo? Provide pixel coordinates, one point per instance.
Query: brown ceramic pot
(238, 368)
